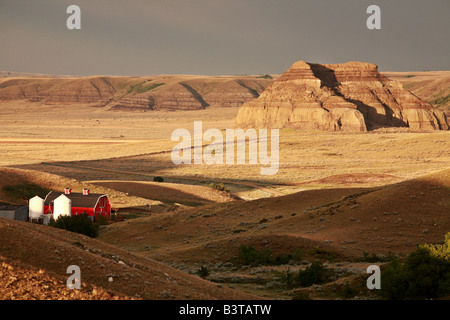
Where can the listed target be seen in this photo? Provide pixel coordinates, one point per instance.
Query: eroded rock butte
(351, 96)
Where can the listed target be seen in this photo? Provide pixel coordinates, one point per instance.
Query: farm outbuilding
(36, 207)
(14, 212)
(71, 203)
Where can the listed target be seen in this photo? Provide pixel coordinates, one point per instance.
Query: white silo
(62, 206)
(35, 207)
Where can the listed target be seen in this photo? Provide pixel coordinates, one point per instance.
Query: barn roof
(78, 199)
(10, 207)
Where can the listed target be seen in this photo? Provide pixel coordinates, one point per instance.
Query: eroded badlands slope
(351, 96)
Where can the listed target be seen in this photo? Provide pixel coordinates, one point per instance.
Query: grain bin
(62, 206)
(36, 207)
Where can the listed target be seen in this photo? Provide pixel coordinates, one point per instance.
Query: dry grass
(367, 160)
(346, 178)
(346, 221)
(53, 250)
(95, 144)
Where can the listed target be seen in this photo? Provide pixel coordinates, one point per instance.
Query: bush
(102, 220)
(424, 274)
(374, 258)
(158, 179)
(440, 250)
(250, 256)
(203, 272)
(219, 186)
(315, 273)
(79, 224)
(347, 292)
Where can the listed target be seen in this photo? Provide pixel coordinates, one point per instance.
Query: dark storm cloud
(219, 37)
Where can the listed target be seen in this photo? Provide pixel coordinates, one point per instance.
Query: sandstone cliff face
(352, 96)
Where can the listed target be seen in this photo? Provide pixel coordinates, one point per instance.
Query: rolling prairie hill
(166, 192)
(160, 92)
(44, 182)
(431, 86)
(178, 92)
(34, 260)
(347, 222)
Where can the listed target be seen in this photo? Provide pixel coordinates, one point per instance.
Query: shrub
(203, 272)
(218, 186)
(158, 179)
(79, 224)
(374, 258)
(424, 274)
(315, 273)
(297, 256)
(347, 292)
(102, 220)
(288, 279)
(440, 250)
(249, 256)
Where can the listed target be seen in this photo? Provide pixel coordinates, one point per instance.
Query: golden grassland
(93, 144)
(359, 193)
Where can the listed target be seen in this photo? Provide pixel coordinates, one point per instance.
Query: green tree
(315, 273)
(203, 272)
(249, 256)
(78, 223)
(424, 274)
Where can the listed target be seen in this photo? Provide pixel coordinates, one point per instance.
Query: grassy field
(319, 160)
(357, 197)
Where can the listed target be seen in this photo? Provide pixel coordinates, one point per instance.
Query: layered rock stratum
(431, 86)
(178, 92)
(352, 96)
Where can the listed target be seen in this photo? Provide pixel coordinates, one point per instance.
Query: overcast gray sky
(213, 37)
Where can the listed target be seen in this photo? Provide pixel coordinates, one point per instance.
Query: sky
(220, 37)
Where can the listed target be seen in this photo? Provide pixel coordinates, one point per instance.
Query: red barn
(93, 204)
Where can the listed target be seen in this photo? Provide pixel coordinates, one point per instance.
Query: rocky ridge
(135, 93)
(352, 96)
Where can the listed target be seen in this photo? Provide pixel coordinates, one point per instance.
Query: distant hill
(431, 86)
(171, 92)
